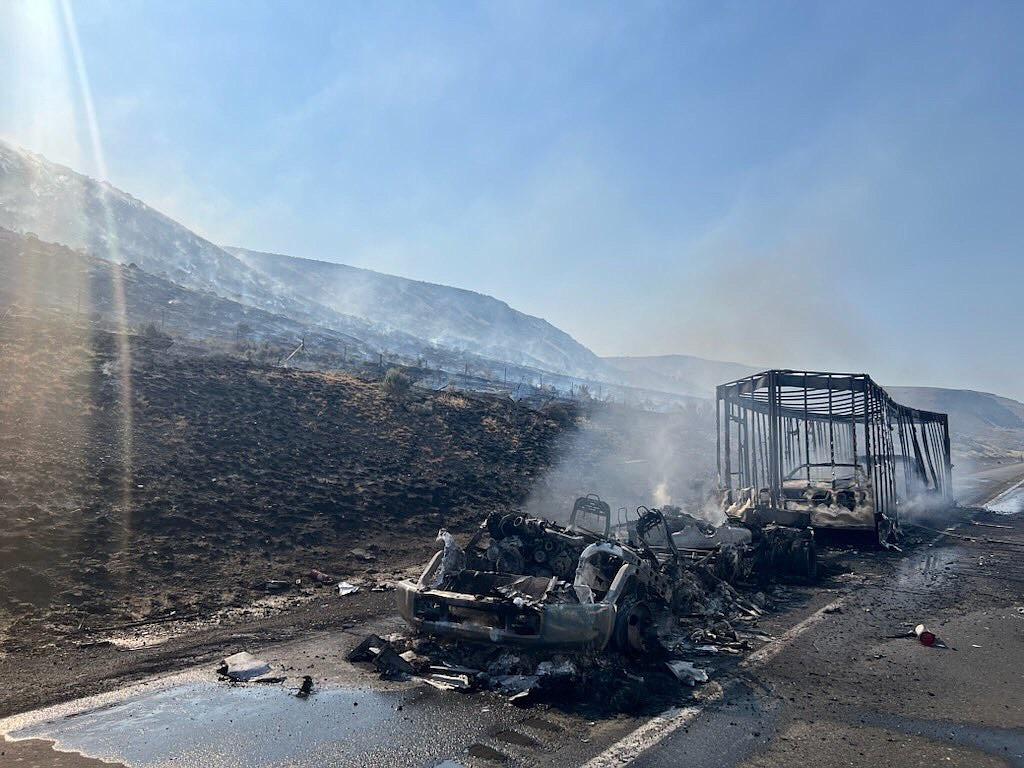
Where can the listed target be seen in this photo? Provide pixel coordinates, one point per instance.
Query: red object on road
(320, 577)
(927, 638)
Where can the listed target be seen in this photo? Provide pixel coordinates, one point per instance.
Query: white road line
(630, 747)
(768, 652)
(660, 727)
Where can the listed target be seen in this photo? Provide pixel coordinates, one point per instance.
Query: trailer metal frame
(778, 426)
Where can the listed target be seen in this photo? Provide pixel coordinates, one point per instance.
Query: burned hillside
(138, 478)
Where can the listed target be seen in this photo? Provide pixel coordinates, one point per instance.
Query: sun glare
(110, 237)
(46, 79)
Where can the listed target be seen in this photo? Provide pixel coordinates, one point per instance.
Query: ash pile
(624, 615)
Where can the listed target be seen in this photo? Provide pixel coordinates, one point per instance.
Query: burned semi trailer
(827, 450)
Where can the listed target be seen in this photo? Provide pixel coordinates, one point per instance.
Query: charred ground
(181, 481)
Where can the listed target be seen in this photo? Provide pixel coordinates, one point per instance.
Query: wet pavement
(192, 719)
(204, 723)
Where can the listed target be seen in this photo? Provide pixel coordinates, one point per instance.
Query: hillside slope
(969, 410)
(983, 426)
(448, 317)
(62, 206)
(38, 277)
(135, 484)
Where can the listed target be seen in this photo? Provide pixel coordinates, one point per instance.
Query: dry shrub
(397, 384)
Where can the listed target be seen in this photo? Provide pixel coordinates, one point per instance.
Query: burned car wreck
(589, 585)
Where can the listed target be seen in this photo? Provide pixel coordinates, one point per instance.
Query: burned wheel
(510, 561)
(807, 557)
(634, 625)
(788, 553)
(802, 562)
(563, 565)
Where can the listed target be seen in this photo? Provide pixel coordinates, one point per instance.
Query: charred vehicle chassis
(535, 584)
(528, 582)
(829, 450)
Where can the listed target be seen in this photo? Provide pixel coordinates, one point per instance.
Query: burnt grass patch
(133, 485)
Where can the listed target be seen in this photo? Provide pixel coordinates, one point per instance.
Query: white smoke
(629, 457)
(661, 496)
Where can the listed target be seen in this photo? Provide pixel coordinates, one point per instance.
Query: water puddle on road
(204, 724)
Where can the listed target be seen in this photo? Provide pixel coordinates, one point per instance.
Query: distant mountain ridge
(62, 206)
(680, 374)
(453, 318)
(689, 375)
(975, 410)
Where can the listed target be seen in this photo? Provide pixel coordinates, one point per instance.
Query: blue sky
(823, 185)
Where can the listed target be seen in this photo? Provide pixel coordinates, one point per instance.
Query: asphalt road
(835, 688)
(847, 692)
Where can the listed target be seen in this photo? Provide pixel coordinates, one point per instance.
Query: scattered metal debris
(274, 585)
(391, 665)
(368, 649)
(448, 682)
(686, 672)
(243, 667)
(346, 588)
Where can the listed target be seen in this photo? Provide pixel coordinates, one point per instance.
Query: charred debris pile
(529, 607)
(590, 614)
